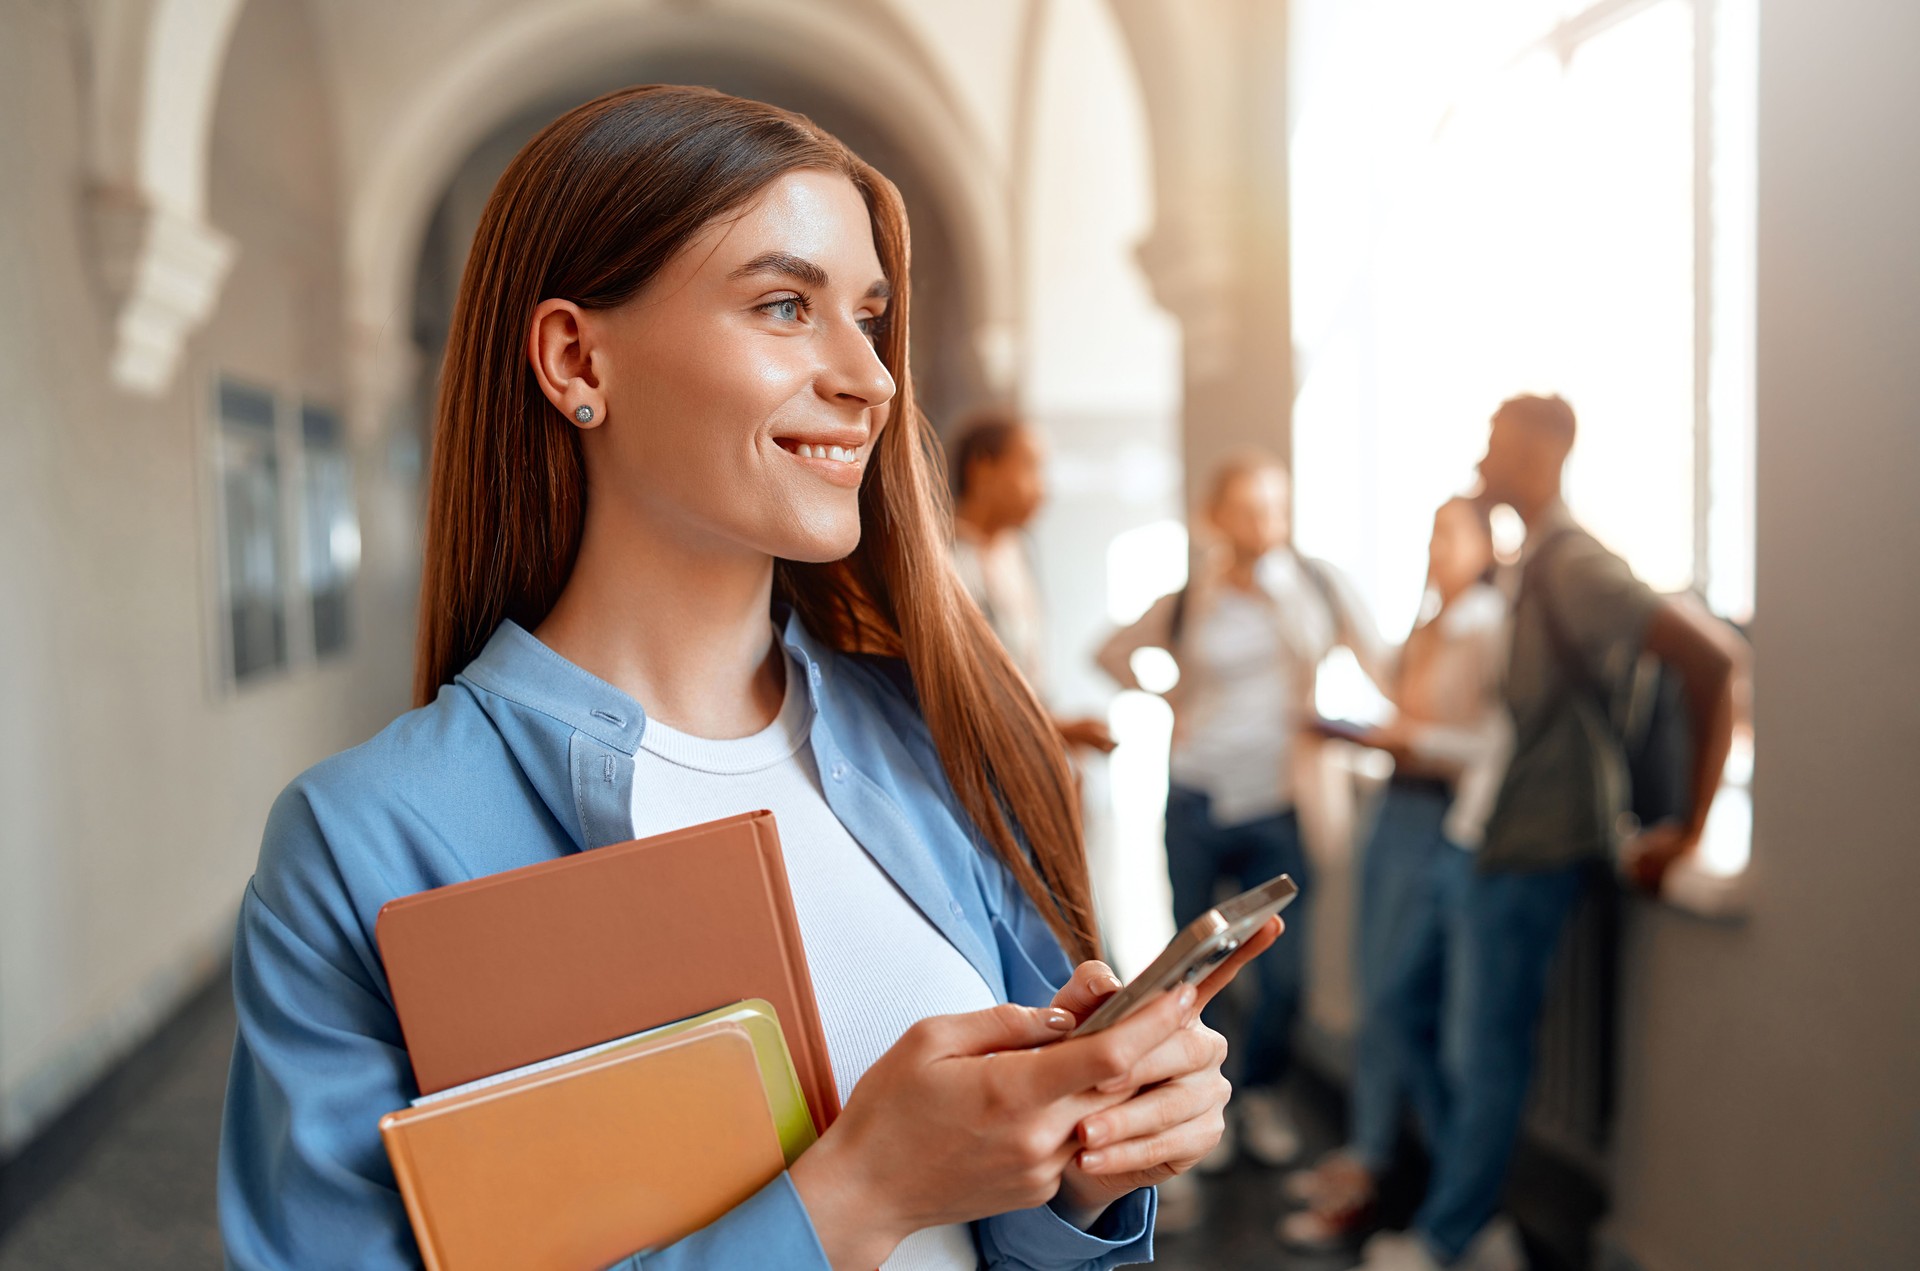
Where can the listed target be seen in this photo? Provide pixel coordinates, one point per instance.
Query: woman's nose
(855, 372)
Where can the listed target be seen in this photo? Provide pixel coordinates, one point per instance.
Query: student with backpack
(1248, 635)
(1581, 623)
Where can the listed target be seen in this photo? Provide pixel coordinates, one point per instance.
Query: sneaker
(1337, 1173)
(1496, 1248)
(1179, 1206)
(1267, 1128)
(1321, 1230)
(1220, 1160)
(1340, 1211)
(1397, 1251)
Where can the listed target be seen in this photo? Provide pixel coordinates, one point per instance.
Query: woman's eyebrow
(800, 269)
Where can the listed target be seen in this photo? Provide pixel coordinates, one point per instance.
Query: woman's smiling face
(741, 393)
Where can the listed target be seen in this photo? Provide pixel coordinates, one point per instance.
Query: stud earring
(584, 414)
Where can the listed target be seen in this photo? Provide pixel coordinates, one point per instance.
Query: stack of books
(613, 1048)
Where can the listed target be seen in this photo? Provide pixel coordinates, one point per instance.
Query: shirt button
(958, 911)
(839, 772)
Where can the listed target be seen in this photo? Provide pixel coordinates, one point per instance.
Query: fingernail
(1187, 995)
(1106, 984)
(1090, 1160)
(1094, 1134)
(1059, 1020)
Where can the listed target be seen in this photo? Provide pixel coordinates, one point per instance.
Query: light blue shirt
(526, 757)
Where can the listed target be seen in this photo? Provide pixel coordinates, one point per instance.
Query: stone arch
(526, 57)
(155, 75)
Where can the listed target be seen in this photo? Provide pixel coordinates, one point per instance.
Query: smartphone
(1207, 941)
(1343, 730)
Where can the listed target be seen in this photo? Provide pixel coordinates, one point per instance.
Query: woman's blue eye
(787, 310)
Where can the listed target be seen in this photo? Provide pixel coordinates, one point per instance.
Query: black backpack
(1647, 715)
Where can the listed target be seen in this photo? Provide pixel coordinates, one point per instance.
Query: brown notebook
(514, 968)
(584, 1164)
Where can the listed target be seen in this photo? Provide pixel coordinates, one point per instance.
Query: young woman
(1449, 738)
(685, 557)
(1248, 635)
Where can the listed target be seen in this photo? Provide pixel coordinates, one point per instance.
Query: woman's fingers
(1256, 945)
(998, 1028)
(1194, 1048)
(1105, 1058)
(1194, 1054)
(1171, 1124)
(1092, 984)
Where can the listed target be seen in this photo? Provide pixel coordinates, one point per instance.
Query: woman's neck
(682, 628)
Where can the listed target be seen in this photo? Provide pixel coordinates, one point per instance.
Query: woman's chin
(821, 547)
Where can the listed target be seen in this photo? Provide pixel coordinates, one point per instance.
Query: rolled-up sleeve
(304, 1179)
(1041, 1240)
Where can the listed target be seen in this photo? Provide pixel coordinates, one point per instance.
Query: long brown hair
(590, 211)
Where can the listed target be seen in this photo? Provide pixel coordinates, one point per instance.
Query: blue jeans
(1498, 936)
(1400, 947)
(1199, 854)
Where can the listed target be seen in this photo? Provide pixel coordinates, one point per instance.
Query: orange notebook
(517, 967)
(581, 1165)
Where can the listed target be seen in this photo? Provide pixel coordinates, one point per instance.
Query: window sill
(1712, 881)
(1692, 889)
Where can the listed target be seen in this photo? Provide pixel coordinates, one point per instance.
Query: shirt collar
(516, 665)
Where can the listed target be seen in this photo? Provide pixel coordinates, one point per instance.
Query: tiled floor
(143, 1195)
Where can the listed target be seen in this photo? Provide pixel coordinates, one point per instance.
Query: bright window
(1504, 196)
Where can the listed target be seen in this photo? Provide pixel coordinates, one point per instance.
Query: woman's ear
(560, 348)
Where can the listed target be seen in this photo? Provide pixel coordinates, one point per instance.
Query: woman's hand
(969, 1116)
(1176, 1097)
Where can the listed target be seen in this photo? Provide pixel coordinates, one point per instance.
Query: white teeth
(841, 454)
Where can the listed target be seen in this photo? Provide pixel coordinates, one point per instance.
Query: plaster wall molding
(155, 70)
(162, 274)
(1191, 255)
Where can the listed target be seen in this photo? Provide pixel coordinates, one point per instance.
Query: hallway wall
(132, 786)
(1768, 1110)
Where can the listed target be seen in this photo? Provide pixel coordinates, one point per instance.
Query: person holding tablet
(686, 556)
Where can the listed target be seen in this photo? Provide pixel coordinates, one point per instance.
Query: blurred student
(999, 472)
(1580, 621)
(1248, 635)
(1449, 738)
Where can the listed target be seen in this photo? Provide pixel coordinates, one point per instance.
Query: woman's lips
(837, 465)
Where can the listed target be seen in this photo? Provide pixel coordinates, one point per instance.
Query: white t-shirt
(1239, 713)
(878, 965)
